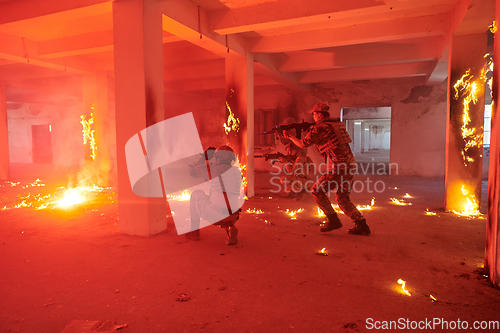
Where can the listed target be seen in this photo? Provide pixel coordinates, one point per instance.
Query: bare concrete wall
(66, 134)
(418, 133)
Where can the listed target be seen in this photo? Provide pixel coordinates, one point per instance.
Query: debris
(463, 275)
(183, 297)
(351, 325)
(48, 304)
(92, 326)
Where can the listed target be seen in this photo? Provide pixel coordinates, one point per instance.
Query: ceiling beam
(357, 34)
(22, 50)
(26, 9)
(76, 45)
(370, 72)
(365, 54)
(180, 18)
(193, 71)
(25, 72)
(265, 65)
(188, 21)
(283, 13)
(220, 83)
(319, 14)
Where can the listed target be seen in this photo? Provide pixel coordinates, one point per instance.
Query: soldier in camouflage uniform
(332, 140)
(296, 172)
(214, 206)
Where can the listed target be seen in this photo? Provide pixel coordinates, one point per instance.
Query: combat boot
(332, 223)
(360, 228)
(232, 234)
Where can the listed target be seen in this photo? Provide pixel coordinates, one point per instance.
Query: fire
(243, 169)
(434, 299)
(493, 27)
(470, 90)
(407, 195)
(320, 212)
(427, 212)
(35, 183)
(184, 196)
(322, 252)
(366, 207)
(233, 123)
(471, 208)
(71, 197)
(403, 286)
(400, 202)
(254, 211)
(88, 133)
(293, 213)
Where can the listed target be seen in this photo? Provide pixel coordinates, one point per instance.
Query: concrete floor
(60, 266)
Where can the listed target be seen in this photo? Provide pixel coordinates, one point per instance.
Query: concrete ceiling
(296, 43)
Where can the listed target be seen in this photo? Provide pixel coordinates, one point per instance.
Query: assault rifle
(299, 127)
(275, 157)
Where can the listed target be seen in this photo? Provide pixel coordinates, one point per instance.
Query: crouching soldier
(225, 196)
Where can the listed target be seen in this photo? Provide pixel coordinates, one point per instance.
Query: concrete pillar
(357, 137)
(4, 137)
(492, 252)
(138, 55)
(463, 164)
(240, 98)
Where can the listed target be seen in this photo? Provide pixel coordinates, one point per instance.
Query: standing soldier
(332, 140)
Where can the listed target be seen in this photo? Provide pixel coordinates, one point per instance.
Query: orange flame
(471, 208)
(254, 211)
(293, 213)
(400, 202)
(427, 212)
(403, 286)
(233, 123)
(470, 90)
(184, 196)
(88, 133)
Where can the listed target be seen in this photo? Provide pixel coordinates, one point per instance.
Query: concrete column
(492, 252)
(138, 54)
(4, 137)
(465, 118)
(240, 98)
(357, 137)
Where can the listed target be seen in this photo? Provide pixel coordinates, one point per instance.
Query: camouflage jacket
(332, 140)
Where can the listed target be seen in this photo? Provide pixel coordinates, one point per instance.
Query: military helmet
(225, 154)
(320, 107)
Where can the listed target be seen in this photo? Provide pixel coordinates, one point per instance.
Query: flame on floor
(293, 213)
(403, 287)
(427, 212)
(254, 211)
(400, 202)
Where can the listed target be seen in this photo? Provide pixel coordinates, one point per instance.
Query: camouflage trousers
(200, 207)
(341, 185)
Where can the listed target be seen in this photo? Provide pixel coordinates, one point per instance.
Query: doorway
(42, 144)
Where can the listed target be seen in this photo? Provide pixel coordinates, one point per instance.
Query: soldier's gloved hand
(210, 152)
